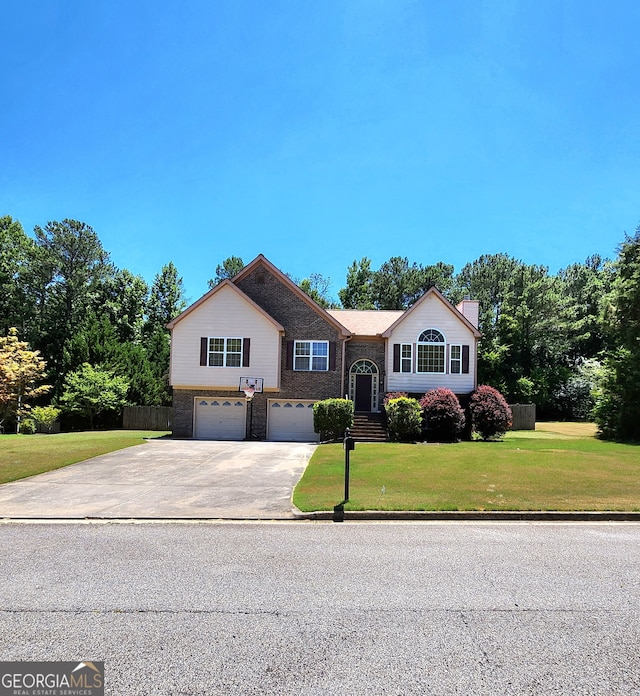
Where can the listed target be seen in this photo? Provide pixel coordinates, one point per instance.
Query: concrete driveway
(167, 479)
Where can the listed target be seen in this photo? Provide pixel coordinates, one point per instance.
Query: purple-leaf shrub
(443, 415)
(490, 413)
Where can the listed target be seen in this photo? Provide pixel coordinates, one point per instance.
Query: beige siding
(225, 314)
(431, 314)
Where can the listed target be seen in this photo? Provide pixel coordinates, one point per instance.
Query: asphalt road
(321, 608)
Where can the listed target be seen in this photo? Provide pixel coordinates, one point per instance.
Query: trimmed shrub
(444, 417)
(332, 417)
(490, 413)
(393, 395)
(404, 419)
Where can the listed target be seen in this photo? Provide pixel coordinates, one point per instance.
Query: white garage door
(291, 420)
(220, 419)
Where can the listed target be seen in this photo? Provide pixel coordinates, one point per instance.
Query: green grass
(26, 455)
(560, 466)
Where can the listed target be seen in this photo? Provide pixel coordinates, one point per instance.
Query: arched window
(431, 351)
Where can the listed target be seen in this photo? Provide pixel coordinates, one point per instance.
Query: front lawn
(26, 455)
(559, 466)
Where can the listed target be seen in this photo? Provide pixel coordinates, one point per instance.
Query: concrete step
(369, 427)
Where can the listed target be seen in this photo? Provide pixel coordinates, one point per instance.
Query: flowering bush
(404, 419)
(490, 413)
(443, 414)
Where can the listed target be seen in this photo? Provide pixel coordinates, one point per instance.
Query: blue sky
(320, 132)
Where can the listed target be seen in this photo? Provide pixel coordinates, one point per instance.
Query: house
(251, 357)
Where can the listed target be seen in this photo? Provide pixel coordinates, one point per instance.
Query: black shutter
(465, 360)
(204, 346)
(289, 355)
(332, 355)
(396, 357)
(246, 347)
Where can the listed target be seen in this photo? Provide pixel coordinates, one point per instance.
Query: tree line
(569, 341)
(68, 301)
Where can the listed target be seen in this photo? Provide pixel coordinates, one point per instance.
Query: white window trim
(409, 357)
(452, 359)
(311, 356)
(443, 345)
(225, 352)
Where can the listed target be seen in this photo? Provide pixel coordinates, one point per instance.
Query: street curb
(339, 515)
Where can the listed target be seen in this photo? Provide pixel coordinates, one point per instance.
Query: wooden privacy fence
(524, 416)
(147, 417)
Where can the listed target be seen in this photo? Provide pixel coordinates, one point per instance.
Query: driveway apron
(167, 479)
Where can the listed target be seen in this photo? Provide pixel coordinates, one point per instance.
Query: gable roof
(261, 260)
(224, 284)
(366, 322)
(433, 291)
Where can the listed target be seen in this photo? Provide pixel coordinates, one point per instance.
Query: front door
(363, 393)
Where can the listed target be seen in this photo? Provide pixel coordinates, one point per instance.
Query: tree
(229, 268)
(585, 289)
(68, 266)
(357, 294)
(317, 287)
(167, 298)
(21, 374)
(92, 391)
(524, 343)
(15, 248)
(617, 411)
(124, 298)
(166, 301)
(397, 284)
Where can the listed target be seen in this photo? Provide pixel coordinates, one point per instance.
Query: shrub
(443, 415)
(393, 395)
(404, 419)
(332, 417)
(490, 413)
(28, 426)
(45, 416)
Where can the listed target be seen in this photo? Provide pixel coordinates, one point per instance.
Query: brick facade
(300, 322)
(360, 349)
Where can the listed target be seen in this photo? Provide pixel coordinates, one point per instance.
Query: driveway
(167, 479)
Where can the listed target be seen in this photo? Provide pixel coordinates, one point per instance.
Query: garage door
(220, 419)
(291, 420)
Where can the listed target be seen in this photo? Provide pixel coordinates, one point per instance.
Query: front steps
(369, 427)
